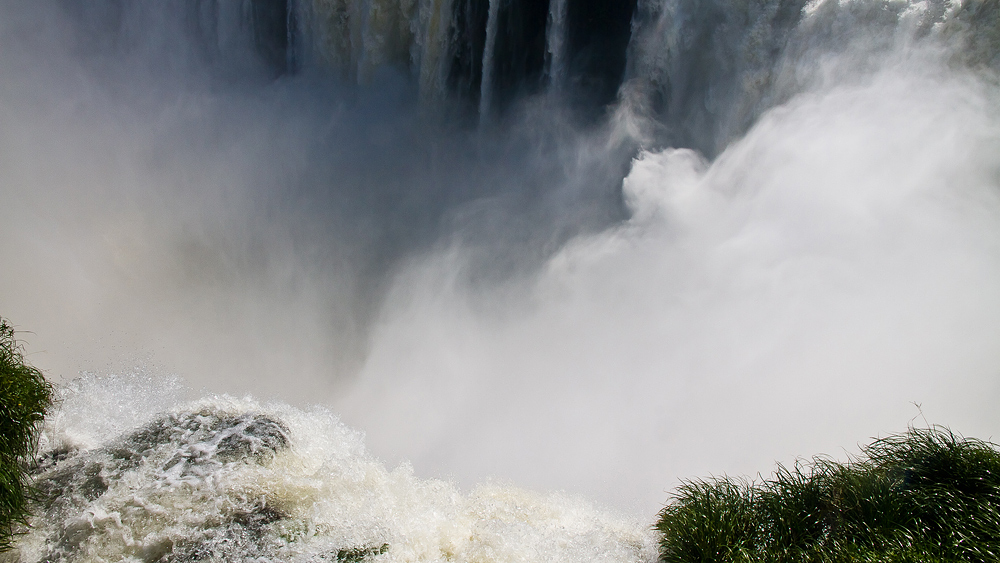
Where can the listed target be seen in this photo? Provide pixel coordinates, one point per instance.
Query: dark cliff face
(272, 22)
(596, 42)
(598, 34)
(468, 43)
(519, 56)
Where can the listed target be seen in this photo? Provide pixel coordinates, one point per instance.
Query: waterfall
(431, 27)
(591, 246)
(486, 88)
(356, 38)
(710, 68)
(555, 45)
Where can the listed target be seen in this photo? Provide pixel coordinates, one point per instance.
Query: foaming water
(232, 479)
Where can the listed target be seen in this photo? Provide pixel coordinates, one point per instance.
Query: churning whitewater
(234, 480)
(463, 251)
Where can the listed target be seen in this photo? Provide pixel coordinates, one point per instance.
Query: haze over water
(506, 244)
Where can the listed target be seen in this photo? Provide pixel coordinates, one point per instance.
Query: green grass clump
(24, 397)
(927, 496)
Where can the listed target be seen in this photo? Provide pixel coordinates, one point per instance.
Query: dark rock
(241, 537)
(193, 445)
(203, 437)
(359, 554)
(78, 479)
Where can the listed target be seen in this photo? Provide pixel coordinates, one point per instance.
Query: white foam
(330, 493)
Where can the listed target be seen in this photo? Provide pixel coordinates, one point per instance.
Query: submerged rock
(204, 438)
(191, 441)
(178, 453)
(359, 554)
(243, 535)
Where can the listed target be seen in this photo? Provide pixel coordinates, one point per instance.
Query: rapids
(236, 480)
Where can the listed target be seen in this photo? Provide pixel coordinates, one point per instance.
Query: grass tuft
(24, 398)
(927, 496)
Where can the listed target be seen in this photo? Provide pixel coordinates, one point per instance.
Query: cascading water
(555, 45)
(499, 50)
(590, 246)
(711, 69)
(489, 52)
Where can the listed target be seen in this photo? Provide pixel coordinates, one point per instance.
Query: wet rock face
(272, 25)
(599, 32)
(77, 479)
(468, 43)
(199, 440)
(519, 57)
(203, 438)
(596, 41)
(175, 454)
(245, 533)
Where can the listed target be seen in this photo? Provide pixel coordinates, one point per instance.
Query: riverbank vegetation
(927, 496)
(24, 397)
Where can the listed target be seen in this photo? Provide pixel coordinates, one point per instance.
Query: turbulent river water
(463, 252)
